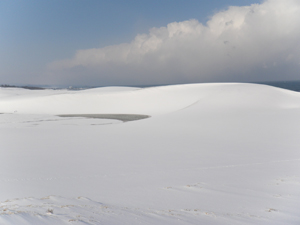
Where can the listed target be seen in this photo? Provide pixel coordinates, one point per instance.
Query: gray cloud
(250, 43)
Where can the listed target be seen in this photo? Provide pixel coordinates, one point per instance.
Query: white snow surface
(208, 154)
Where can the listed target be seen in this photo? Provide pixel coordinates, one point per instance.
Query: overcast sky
(127, 42)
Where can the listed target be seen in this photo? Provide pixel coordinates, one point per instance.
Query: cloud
(249, 43)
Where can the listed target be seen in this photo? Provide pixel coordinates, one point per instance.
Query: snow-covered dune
(207, 154)
(152, 101)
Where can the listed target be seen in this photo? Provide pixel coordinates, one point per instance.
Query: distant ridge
(25, 87)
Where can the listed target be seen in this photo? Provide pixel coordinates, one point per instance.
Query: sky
(148, 42)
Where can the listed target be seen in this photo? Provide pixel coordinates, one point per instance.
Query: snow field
(208, 153)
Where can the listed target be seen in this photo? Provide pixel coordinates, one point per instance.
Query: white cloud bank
(249, 43)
